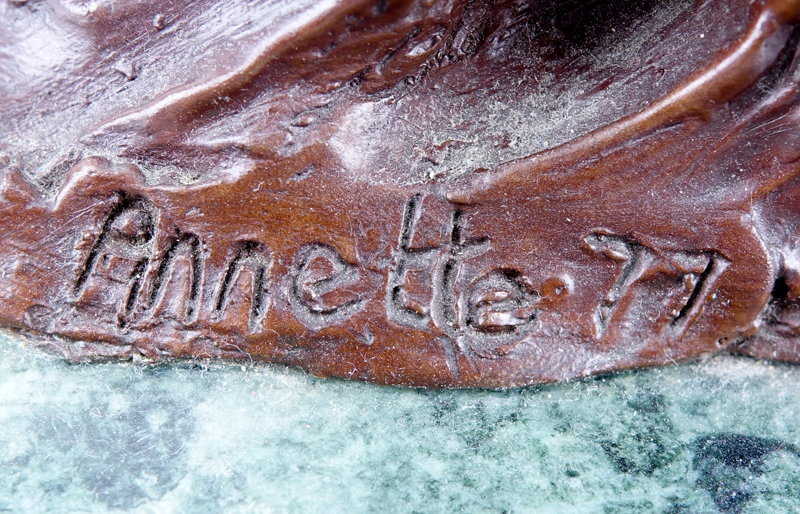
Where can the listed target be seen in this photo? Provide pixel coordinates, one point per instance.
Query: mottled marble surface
(721, 435)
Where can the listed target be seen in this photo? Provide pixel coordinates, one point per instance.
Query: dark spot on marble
(628, 507)
(647, 401)
(726, 463)
(640, 454)
(443, 405)
(561, 422)
(643, 447)
(483, 421)
(677, 508)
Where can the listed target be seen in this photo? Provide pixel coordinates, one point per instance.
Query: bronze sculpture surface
(432, 193)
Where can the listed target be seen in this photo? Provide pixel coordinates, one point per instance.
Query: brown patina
(426, 193)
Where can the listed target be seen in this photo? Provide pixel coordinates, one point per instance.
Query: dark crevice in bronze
(133, 293)
(190, 245)
(252, 255)
(697, 292)
(123, 203)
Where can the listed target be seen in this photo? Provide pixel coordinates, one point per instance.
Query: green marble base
(721, 435)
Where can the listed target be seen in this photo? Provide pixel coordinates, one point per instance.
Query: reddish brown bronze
(430, 193)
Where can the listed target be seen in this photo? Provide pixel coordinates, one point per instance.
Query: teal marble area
(719, 435)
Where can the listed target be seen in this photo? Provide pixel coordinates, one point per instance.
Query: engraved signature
(483, 315)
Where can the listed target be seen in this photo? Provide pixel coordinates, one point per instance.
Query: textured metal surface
(446, 194)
